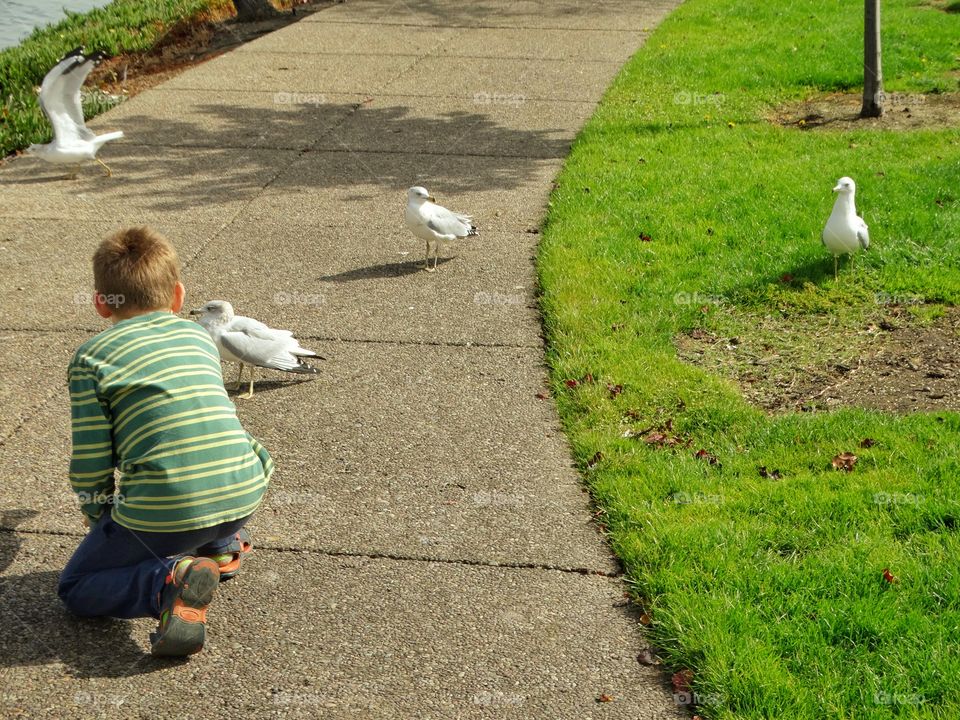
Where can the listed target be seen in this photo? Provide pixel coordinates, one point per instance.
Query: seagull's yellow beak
(837, 188)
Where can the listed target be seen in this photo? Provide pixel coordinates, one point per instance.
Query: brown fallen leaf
(844, 461)
(645, 619)
(604, 698)
(681, 680)
(644, 237)
(543, 396)
(571, 383)
(614, 390)
(702, 454)
(769, 474)
(889, 576)
(867, 443)
(648, 657)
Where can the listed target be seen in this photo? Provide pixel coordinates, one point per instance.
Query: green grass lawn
(768, 586)
(123, 26)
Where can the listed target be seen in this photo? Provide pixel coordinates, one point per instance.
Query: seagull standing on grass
(434, 223)
(845, 231)
(60, 101)
(247, 341)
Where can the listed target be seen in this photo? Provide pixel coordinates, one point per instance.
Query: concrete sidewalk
(426, 549)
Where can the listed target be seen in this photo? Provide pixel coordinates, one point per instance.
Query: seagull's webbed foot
(105, 166)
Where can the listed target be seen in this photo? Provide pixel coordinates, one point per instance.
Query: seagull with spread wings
(434, 223)
(249, 342)
(60, 101)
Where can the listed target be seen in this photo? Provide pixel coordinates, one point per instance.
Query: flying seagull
(60, 101)
(249, 342)
(845, 231)
(434, 223)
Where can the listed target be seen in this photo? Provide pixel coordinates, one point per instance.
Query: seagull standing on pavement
(434, 223)
(247, 341)
(60, 101)
(845, 231)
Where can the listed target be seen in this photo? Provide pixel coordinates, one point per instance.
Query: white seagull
(247, 341)
(845, 231)
(434, 223)
(60, 101)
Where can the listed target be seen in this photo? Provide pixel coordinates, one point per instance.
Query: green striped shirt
(155, 435)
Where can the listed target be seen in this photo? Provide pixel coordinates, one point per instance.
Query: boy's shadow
(37, 629)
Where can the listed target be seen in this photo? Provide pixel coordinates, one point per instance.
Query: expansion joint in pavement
(328, 552)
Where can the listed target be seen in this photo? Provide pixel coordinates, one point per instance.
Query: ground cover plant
(123, 26)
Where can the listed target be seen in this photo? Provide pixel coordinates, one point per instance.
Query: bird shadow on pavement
(38, 630)
(265, 386)
(381, 271)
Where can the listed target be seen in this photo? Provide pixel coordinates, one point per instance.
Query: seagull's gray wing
(263, 352)
(863, 234)
(257, 329)
(60, 96)
(445, 222)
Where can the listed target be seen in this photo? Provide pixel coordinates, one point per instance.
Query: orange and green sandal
(188, 590)
(232, 556)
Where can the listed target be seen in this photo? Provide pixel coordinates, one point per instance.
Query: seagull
(434, 223)
(247, 341)
(60, 101)
(845, 231)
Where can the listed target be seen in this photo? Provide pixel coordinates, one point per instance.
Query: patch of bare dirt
(891, 364)
(190, 42)
(915, 368)
(841, 111)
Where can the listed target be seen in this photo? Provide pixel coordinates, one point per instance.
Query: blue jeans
(118, 572)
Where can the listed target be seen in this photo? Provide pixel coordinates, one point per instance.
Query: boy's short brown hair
(136, 269)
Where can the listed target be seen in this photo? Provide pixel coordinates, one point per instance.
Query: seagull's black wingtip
(96, 56)
(77, 51)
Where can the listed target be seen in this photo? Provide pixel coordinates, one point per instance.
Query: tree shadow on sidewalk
(38, 630)
(231, 153)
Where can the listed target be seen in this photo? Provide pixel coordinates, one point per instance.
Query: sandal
(188, 589)
(232, 556)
